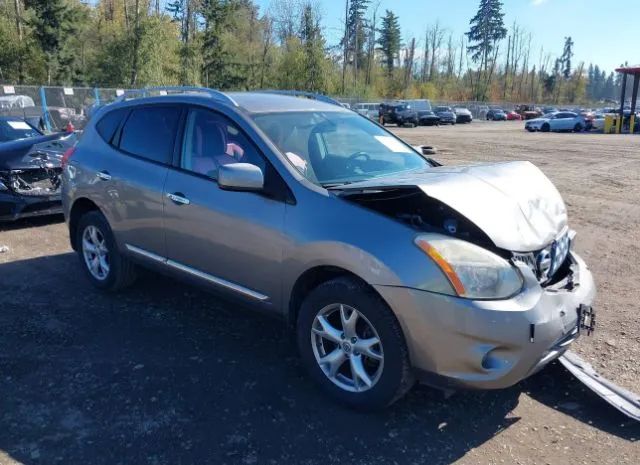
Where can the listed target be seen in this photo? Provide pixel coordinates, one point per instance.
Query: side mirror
(240, 177)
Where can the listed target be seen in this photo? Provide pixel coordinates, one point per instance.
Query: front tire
(545, 127)
(352, 345)
(103, 264)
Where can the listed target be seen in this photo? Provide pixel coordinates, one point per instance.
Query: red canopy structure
(635, 72)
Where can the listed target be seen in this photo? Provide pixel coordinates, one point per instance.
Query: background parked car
(528, 111)
(561, 121)
(419, 104)
(496, 114)
(14, 128)
(30, 172)
(16, 101)
(463, 115)
(513, 116)
(370, 110)
(428, 118)
(398, 113)
(446, 115)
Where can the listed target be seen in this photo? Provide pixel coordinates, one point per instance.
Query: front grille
(545, 263)
(38, 182)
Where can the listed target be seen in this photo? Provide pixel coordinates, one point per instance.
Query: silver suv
(389, 268)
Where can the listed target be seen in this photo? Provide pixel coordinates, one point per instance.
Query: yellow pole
(619, 119)
(632, 122)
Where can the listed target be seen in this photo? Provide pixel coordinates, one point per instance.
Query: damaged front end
(31, 191)
(510, 209)
(498, 333)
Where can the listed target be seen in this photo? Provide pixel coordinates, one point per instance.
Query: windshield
(16, 129)
(333, 148)
(441, 109)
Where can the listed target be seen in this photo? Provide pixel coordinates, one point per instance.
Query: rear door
(563, 121)
(230, 240)
(133, 176)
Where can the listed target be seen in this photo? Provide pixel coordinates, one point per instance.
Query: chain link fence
(54, 108)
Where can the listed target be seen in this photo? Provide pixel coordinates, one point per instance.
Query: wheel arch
(312, 278)
(79, 208)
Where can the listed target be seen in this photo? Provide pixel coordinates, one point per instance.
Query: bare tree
(267, 25)
(425, 57)
(136, 44)
(18, 8)
(408, 63)
(436, 36)
(345, 45)
(371, 49)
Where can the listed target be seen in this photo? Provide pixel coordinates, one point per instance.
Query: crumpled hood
(514, 203)
(35, 151)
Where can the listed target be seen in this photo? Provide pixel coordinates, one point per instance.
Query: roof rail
(164, 90)
(302, 93)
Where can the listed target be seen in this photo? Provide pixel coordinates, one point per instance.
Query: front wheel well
(308, 281)
(80, 207)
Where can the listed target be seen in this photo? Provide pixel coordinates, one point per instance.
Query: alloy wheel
(347, 348)
(95, 252)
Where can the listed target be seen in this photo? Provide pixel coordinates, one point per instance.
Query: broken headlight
(4, 181)
(474, 272)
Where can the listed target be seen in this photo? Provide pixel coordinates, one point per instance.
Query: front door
(232, 240)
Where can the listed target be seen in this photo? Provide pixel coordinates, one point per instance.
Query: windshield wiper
(335, 185)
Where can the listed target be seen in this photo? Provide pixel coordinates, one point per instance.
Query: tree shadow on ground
(165, 373)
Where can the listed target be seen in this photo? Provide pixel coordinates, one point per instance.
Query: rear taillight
(67, 156)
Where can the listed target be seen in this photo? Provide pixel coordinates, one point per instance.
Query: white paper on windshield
(297, 161)
(393, 144)
(9, 90)
(19, 125)
(119, 92)
(68, 91)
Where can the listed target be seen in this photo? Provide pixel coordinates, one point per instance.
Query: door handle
(178, 198)
(104, 175)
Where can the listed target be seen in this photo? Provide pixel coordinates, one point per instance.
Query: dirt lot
(165, 373)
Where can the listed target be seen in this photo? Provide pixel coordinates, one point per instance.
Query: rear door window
(109, 123)
(150, 132)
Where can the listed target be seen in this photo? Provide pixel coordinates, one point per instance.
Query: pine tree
(567, 55)
(314, 54)
(487, 29)
(53, 24)
(389, 40)
(356, 32)
(217, 16)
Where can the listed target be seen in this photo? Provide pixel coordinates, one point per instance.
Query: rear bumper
(14, 207)
(456, 342)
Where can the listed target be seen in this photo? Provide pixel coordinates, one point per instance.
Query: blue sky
(593, 24)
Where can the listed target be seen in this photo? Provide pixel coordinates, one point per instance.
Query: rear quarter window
(150, 132)
(109, 123)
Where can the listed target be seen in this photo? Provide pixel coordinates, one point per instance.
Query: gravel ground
(167, 374)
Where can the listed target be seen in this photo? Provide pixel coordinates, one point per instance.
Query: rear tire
(323, 332)
(578, 128)
(103, 264)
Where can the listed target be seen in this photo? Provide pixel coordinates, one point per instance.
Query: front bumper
(464, 118)
(455, 342)
(14, 207)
